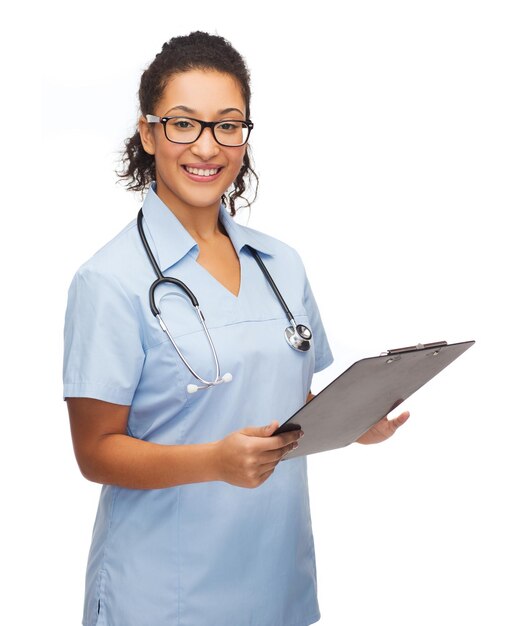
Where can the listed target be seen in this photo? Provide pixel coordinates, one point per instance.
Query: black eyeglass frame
(155, 119)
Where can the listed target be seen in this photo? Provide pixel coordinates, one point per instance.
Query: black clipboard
(366, 392)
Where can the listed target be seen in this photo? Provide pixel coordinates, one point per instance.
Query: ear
(146, 135)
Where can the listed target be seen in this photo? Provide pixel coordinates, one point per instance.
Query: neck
(202, 222)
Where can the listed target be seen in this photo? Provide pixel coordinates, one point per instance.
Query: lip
(202, 166)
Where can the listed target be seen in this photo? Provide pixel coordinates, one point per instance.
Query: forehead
(204, 91)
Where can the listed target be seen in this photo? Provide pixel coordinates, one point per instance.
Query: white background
(382, 141)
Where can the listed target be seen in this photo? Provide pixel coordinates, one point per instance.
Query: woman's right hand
(248, 457)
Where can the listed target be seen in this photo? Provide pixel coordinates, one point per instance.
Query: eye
(182, 123)
(229, 126)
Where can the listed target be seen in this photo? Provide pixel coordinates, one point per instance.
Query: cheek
(237, 160)
(167, 154)
(167, 164)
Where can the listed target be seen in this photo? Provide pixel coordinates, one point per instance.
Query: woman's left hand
(383, 429)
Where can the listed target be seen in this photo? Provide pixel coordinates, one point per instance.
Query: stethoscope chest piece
(299, 337)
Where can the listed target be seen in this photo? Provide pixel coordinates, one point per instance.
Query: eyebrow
(186, 109)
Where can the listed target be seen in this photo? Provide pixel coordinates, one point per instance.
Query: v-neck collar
(170, 241)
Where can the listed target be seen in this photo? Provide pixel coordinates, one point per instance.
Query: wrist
(213, 461)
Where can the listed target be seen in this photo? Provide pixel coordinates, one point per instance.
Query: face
(206, 95)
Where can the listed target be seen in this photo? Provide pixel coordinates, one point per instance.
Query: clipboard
(367, 391)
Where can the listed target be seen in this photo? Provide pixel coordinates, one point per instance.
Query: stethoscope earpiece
(297, 336)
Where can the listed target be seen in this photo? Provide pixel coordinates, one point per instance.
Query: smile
(201, 172)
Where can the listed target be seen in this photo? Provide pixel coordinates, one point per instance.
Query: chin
(203, 203)
(199, 198)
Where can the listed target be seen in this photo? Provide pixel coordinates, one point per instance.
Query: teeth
(198, 172)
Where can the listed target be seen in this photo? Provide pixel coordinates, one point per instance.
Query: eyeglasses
(231, 133)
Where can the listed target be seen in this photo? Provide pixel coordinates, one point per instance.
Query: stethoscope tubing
(163, 326)
(160, 280)
(274, 287)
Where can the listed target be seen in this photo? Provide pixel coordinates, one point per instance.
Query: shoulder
(114, 262)
(103, 292)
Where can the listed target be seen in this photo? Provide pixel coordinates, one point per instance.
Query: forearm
(106, 455)
(128, 462)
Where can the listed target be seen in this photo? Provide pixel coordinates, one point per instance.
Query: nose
(206, 146)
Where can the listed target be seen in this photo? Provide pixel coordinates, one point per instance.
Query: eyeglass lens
(227, 132)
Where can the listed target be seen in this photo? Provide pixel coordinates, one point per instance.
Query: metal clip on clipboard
(419, 346)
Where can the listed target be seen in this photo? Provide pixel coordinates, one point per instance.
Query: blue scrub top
(207, 553)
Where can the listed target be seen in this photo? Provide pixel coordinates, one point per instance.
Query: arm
(106, 454)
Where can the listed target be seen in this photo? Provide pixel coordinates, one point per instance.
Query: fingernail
(295, 445)
(301, 433)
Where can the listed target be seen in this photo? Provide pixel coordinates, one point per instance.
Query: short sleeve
(103, 345)
(322, 353)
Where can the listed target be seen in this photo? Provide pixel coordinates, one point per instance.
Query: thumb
(261, 431)
(401, 419)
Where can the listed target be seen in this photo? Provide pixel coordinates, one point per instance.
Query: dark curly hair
(198, 50)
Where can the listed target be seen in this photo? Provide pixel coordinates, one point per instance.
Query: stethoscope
(298, 336)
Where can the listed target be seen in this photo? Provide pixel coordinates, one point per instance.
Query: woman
(198, 522)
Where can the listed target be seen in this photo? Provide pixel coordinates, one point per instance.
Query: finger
(281, 454)
(282, 441)
(274, 456)
(260, 431)
(266, 475)
(399, 420)
(266, 467)
(277, 442)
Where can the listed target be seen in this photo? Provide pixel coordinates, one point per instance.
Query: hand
(383, 429)
(248, 457)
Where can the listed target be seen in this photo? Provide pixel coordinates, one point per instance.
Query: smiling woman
(192, 167)
(181, 55)
(198, 522)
